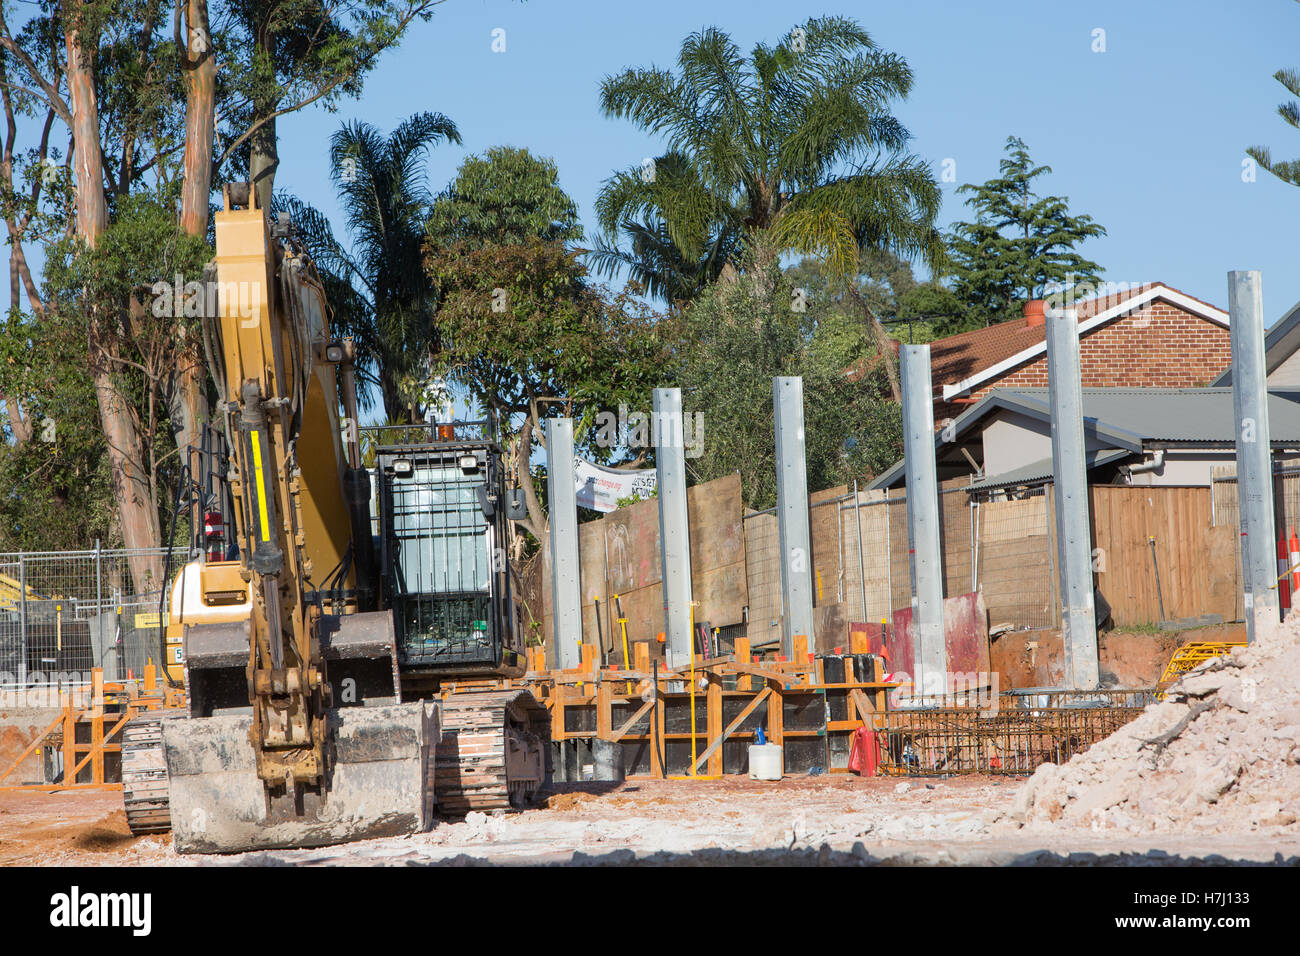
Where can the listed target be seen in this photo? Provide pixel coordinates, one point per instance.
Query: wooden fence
(1159, 557)
(1160, 554)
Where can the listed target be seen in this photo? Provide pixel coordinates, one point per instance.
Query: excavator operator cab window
(437, 553)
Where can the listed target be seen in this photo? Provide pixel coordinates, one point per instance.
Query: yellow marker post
(622, 625)
(693, 775)
(693, 742)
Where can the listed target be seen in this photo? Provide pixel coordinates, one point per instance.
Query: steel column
(674, 527)
(562, 496)
(1254, 454)
(930, 652)
(792, 513)
(1070, 474)
(22, 621)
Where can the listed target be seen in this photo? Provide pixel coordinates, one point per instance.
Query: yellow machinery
(315, 661)
(1189, 656)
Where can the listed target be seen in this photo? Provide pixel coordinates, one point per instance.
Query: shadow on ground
(858, 856)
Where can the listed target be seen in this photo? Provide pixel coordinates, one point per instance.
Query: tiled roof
(957, 357)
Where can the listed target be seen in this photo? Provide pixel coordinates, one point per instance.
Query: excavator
(341, 684)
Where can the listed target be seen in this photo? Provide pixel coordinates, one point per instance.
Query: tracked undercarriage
(493, 751)
(144, 773)
(491, 756)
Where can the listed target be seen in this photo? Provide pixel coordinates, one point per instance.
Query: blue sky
(1148, 137)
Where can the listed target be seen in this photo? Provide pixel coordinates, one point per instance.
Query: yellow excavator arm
(267, 756)
(279, 394)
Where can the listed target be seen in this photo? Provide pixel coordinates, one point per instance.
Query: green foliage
(55, 490)
(735, 338)
(58, 493)
(278, 56)
(792, 148)
(1020, 244)
(1286, 170)
(521, 328)
(914, 312)
(505, 196)
(635, 499)
(521, 324)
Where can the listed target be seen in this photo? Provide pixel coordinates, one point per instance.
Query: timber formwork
(813, 707)
(699, 720)
(81, 749)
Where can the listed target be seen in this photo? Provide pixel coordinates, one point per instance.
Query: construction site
(421, 545)
(938, 677)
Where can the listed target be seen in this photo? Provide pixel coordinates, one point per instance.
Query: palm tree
(381, 294)
(791, 149)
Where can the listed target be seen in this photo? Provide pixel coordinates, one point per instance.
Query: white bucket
(765, 761)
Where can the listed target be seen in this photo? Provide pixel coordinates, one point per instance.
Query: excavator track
(493, 751)
(144, 773)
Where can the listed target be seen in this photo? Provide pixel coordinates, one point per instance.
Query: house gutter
(1155, 464)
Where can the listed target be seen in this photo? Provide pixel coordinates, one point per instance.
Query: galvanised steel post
(1254, 454)
(1070, 474)
(566, 590)
(930, 653)
(793, 529)
(674, 526)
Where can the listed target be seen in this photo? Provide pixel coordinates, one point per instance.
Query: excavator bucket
(380, 782)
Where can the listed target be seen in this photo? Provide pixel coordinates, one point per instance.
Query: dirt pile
(1220, 753)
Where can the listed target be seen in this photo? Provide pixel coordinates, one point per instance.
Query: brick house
(1150, 336)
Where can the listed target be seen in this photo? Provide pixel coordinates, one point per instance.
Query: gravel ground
(809, 820)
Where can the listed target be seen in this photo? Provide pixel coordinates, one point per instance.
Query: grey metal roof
(1280, 343)
(1041, 470)
(1131, 418)
(1197, 415)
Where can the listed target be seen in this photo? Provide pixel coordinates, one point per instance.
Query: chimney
(1034, 314)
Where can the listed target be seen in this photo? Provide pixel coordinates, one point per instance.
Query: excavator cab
(442, 513)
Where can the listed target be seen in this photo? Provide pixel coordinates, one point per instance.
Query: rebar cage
(1022, 730)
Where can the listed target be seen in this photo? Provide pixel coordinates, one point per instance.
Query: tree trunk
(200, 77)
(263, 154)
(263, 158)
(189, 399)
(537, 522)
(884, 344)
(18, 423)
(200, 71)
(132, 487)
(92, 204)
(395, 408)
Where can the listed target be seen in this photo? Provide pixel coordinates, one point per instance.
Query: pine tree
(1286, 170)
(1020, 243)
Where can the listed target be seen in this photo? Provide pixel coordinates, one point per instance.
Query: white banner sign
(600, 488)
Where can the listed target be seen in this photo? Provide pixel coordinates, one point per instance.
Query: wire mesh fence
(64, 613)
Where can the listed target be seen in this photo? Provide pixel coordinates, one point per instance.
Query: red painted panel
(965, 632)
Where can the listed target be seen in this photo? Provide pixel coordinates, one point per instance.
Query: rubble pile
(1220, 753)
